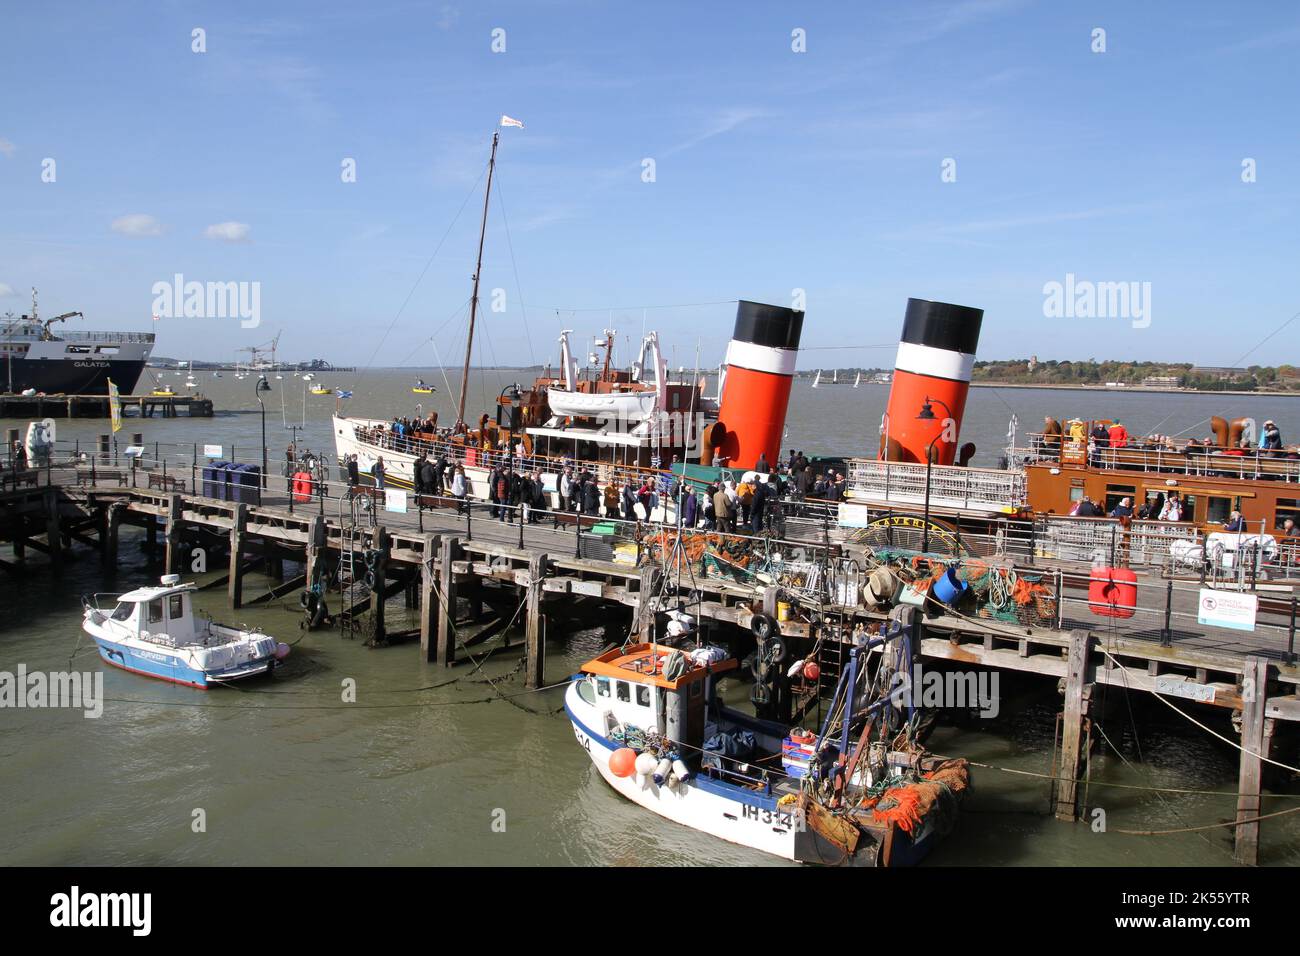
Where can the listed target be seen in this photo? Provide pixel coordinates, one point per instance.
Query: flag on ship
(345, 393)
(507, 121)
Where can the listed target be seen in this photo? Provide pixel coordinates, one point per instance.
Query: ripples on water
(284, 780)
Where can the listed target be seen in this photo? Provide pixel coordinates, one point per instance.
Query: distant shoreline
(1138, 389)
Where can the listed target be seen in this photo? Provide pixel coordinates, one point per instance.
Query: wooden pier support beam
(381, 543)
(445, 652)
(172, 536)
(429, 596)
(1255, 745)
(646, 603)
(315, 548)
(108, 541)
(52, 533)
(236, 583)
(535, 643)
(1077, 676)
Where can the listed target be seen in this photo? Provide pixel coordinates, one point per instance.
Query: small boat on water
(152, 631)
(162, 391)
(862, 792)
(419, 388)
(321, 390)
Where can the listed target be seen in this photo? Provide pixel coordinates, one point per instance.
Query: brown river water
(286, 773)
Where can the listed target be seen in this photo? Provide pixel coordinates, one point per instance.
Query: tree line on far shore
(1180, 374)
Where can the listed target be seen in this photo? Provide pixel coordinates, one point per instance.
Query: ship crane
(47, 334)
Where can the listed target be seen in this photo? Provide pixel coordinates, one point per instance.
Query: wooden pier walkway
(441, 557)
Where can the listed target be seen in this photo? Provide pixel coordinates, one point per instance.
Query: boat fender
(681, 771)
(281, 650)
(796, 668)
(662, 771)
(622, 762)
(645, 764)
(811, 671)
(763, 626)
(319, 614)
(774, 650)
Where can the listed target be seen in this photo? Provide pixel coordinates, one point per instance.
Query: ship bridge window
(622, 692)
(176, 606)
(642, 695)
(602, 686)
(155, 611)
(123, 611)
(585, 692)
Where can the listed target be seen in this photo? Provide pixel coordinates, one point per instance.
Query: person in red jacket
(1118, 435)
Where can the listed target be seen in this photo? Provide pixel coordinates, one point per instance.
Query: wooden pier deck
(442, 557)
(31, 407)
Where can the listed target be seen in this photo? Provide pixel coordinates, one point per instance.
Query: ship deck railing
(108, 337)
(951, 487)
(1205, 462)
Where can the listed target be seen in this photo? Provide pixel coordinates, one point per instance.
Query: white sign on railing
(212, 451)
(395, 500)
(1227, 609)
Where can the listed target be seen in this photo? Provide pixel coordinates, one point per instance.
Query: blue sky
(774, 171)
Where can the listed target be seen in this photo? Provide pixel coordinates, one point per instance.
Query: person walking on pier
(459, 488)
(354, 472)
(377, 472)
(722, 511)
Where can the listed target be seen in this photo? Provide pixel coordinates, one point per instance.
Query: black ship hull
(73, 377)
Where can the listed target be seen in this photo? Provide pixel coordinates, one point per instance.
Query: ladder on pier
(351, 576)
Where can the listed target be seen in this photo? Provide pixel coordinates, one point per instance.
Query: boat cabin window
(176, 607)
(621, 691)
(1076, 493)
(585, 691)
(1115, 493)
(123, 611)
(642, 695)
(1217, 509)
(107, 350)
(1189, 508)
(155, 611)
(602, 686)
(1287, 508)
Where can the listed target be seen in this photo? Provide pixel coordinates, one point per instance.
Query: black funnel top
(771, 325)
(942, 325)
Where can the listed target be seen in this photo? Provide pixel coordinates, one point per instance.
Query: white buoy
(646, 763)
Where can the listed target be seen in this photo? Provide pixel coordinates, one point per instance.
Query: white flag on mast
(507, 121)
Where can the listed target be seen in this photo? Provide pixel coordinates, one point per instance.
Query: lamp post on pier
(263, 386)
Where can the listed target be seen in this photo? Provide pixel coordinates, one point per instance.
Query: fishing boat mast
(473, 302)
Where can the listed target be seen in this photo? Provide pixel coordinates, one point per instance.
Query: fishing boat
(321, 390)
(861, 792)
(163, 391)
(419, 388)
(152, 631)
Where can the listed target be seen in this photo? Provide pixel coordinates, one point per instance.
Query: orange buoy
(811, 671)
(1112, 592)
(622, 762)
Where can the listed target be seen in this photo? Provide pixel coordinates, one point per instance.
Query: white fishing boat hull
(728, 812)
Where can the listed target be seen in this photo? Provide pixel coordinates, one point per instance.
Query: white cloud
(5, 291)
(228, 231)
(7, 148)
(136, 225)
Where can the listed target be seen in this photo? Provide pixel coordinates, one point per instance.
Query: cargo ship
(39, 361)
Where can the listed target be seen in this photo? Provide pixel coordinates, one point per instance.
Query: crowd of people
(1103, 437)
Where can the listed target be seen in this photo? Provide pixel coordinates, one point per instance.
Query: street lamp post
(263, 386)
(927, 415)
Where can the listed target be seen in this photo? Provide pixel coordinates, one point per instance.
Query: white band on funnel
(940, 363)
(761, 358)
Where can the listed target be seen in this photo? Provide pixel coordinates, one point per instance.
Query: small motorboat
(419, 388)
(321, 390)
(162, 391)
(152, 631)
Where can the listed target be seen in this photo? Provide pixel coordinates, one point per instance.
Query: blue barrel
(949, 588)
